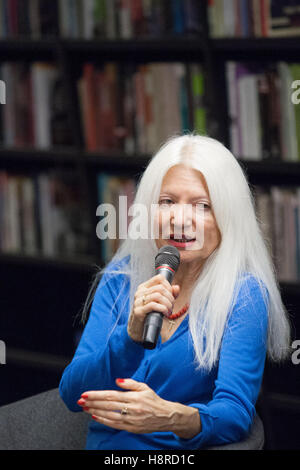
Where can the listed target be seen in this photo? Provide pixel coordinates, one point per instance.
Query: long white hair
(243, 248)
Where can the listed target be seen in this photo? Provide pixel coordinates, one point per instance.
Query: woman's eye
(165, 202)
(202, 205)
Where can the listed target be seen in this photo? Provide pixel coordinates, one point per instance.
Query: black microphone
(167, 262)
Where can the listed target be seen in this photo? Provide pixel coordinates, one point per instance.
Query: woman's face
(185, 217)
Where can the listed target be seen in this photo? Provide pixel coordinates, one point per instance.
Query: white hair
(243, 248)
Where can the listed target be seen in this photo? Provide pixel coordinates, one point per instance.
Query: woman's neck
(186, 275)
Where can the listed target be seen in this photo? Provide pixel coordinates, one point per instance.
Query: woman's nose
(182, 215)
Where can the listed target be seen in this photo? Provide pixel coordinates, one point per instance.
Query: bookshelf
(35, 273)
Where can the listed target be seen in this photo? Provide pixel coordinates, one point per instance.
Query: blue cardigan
(224, 396)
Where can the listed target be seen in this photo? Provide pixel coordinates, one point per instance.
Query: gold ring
(124, 411)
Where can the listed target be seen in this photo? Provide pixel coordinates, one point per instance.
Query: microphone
(167, 262)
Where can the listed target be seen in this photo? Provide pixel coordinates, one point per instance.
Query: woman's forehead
(181, 174)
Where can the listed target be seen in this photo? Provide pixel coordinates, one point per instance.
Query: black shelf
(272, 172)
(257, 48)
(81, 264)
(289, 288)
(148, 48)
(110, 160)
(264, 172)
(27, 155)
(28, 49)
(140, 49)
(166, 48)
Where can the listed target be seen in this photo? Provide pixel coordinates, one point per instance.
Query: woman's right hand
(154, 295)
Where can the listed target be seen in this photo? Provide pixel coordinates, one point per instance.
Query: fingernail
(81, 401)
(84, 395)
(120, 380)
(85, 408)
(94, 417)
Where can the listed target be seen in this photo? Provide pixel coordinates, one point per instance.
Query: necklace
(174, 316)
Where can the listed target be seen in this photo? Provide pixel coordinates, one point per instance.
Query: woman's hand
(156, 295)
(140, 410)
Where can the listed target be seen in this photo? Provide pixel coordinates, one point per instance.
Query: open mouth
(183, 239)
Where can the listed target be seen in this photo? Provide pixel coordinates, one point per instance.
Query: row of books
(254, 18)
(35, 111)
(136, 108)
(264, 110)
(109, 19)
(28, 18)
(279, 213)
(42, 214)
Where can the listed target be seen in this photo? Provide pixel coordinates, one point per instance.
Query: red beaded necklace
(174, 316)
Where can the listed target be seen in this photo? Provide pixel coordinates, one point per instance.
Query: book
(295, 75)
(44, 77)
(197, 87)
(284, 18)
(288, 123)
(109, 229)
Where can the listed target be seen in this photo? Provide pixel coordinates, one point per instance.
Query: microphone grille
(168, 255)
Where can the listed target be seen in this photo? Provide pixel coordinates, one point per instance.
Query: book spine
(198, 97)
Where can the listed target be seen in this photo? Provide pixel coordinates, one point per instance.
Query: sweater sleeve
(105, 350)
(229, 415)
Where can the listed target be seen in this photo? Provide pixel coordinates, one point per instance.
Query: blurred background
(89, 90)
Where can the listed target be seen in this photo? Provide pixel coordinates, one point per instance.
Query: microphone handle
(154, 320)
(152, 328)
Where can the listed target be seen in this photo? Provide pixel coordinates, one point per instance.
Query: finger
(104, 405)
(159, 288)
(157, 297)
(151, 307)
(114, 416)
(175, 290)
(130, 384)
(104, 395)
(158, 279)
(121, 426)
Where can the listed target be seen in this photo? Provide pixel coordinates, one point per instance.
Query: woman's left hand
(139, 410)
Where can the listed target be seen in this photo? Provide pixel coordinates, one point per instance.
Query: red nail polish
(120, 380)
(94, 417)
(84, 395)
(81, 401)
(86, 408)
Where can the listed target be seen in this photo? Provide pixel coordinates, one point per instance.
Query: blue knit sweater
(225, 396)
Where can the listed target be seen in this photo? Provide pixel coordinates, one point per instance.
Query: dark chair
(42, 422)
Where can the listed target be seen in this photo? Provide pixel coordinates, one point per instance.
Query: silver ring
(124, 411)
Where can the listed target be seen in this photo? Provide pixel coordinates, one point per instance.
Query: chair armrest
(42, 422)
(254, 441)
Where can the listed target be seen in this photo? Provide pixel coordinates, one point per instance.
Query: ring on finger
(144, 300)
(124, 411)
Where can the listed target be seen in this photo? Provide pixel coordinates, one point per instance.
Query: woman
(199, 386)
